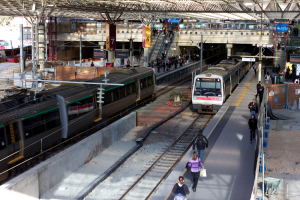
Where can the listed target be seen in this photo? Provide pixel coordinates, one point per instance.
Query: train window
(52, 119)
(12, 132)
(107, 98)
(2, 138)
(116, 94)
(128, 88)
(208, 87)
(143, 83)
(149, 81)
(122, 92)
(80, 107)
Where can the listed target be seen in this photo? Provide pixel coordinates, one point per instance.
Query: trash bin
(281, 77)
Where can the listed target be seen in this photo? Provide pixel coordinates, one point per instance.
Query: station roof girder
(36, 10)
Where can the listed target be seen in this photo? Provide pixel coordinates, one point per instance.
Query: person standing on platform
(257, 89)
(261, 93)
(278, 68)
(287, 73)
(128, 63)
(252, 126)
(92, 64)
(201, 143)
(194, 164)
(180, 190)
(278, 46)
(265, 70)
(267, 78)
(255, 67)
(253, 107)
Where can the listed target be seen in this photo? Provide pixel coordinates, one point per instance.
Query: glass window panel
(2, 138)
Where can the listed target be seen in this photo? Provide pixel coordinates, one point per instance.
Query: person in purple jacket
(194, 164)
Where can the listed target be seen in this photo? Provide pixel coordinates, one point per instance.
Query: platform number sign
(146, 37)
(111, 37)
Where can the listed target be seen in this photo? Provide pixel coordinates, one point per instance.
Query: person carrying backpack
(201, 142)
(180, 189)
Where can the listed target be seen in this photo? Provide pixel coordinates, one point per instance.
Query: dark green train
(27, 127)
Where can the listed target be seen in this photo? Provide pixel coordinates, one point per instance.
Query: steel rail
(168, 149)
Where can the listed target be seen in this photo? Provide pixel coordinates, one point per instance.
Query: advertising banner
(111, 37)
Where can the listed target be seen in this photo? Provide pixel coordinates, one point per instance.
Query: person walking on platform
(201, 142)
(253, 107)
(194, 164)
(255, 67)
(180, 190)
(252, 126)
(261, 93)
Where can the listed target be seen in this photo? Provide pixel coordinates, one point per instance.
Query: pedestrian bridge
(187, 37)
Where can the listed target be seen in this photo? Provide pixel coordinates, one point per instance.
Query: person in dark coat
(252, 126)
(180, 189)
(261, 93)
(201, 143)
(257, 88)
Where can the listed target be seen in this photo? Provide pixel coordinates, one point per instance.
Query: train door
(138, 89)
(230, 90)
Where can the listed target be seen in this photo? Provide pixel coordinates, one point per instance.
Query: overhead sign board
(99, 54)
(295, 59)
(281, 27)
(248, 59)
(122, 54)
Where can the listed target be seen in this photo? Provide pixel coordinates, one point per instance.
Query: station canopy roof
(36, 10)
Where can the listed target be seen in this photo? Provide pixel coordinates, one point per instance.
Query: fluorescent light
(248, 4)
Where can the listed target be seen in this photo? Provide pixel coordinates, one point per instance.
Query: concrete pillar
(111, 56)
(146, 57)
(21, 49)
(33, 49)
(101, 44)
(140, 47)
(41, 47)
(123, 45)
(229, 46)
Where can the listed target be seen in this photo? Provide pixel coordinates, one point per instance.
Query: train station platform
(230, 157)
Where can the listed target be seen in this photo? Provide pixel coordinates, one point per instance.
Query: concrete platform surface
(229, 159)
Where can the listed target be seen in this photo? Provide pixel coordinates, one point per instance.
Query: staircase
(170, 46)
(281, 58)
(157, 48)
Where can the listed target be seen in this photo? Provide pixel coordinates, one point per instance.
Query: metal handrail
(154, 47)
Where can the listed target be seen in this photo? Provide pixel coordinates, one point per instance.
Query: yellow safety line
(244, 92)
(207, 138)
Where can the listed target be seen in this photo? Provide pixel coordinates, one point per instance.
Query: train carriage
(27, 127)
(212, 87)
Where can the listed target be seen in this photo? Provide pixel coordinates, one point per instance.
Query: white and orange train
(212, 87)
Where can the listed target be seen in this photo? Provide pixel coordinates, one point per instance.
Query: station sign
(248, 59)
(111, 37)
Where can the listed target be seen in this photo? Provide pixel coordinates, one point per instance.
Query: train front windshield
(208, 87)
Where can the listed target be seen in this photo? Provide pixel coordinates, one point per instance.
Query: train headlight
(219, 98)
(195, 98)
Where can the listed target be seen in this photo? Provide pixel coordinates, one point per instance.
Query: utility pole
(80, 54)
(260, 48)
(201, 53)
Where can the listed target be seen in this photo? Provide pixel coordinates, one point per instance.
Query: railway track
(146, 185)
